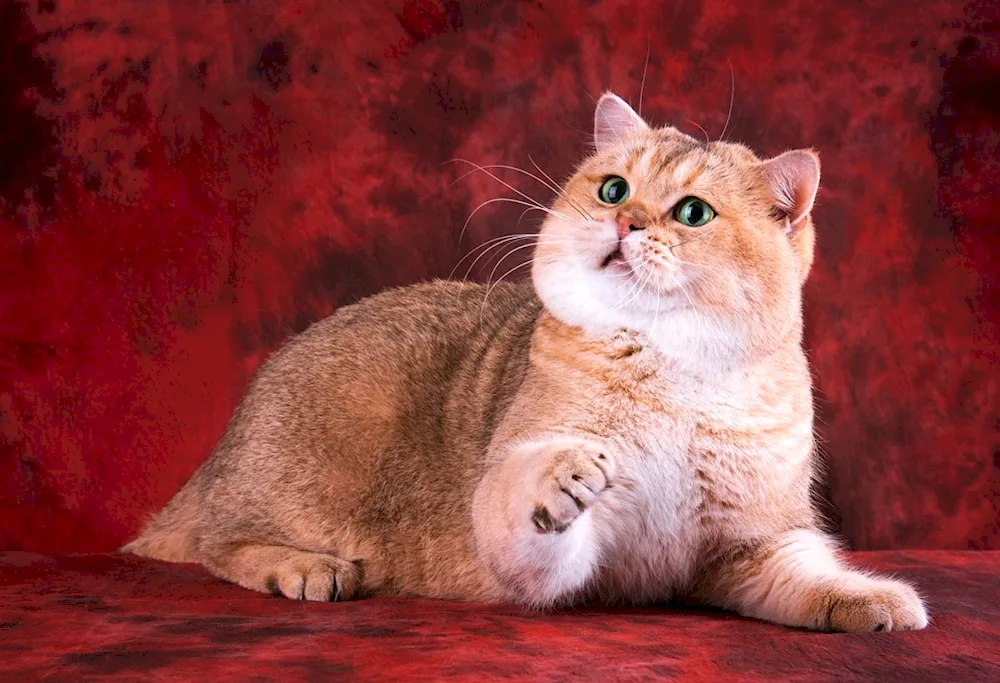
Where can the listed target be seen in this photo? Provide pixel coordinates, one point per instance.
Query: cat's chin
(601, 298)
(604, 300)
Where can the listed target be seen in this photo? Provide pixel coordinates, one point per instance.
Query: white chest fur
(698, 462)
(647, 523)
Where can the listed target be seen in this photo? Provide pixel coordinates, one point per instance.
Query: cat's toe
(569, 486)
(316, 577)
(886, 606)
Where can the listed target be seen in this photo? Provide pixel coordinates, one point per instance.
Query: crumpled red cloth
(80, 617)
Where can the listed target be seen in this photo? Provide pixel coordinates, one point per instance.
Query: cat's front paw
(305, 575)
(883, 605)
(572, 477)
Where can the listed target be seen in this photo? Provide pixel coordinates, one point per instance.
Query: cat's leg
(797, 579)
(281, 570)
(532, 529)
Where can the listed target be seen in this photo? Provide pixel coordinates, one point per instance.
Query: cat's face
(700, 246)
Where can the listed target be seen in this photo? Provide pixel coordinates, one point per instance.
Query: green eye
(614, 190)
(693, 212)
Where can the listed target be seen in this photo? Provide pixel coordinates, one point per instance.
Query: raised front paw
(572, 477)
(883, 605)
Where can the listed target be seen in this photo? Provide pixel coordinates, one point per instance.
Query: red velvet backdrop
(184, 185)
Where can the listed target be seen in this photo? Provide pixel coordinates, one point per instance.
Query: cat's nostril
(627, 223)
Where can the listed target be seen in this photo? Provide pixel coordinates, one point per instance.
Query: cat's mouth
(616, 257)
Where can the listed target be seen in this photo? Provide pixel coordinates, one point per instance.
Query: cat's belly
(647, 524)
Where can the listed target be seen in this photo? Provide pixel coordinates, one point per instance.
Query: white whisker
(699, 236)
(532, 201)
(504, 258)
(732, 97)
(699, 265)
(490, 288)
(498, 242)
(634, 288)
(555, 188)
(699, 323)
(704, 132)
(642, 86)
(539, 207)
(487, 246)
(641, 285)
(652, 328)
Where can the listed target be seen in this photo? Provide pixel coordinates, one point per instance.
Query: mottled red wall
(184, 185)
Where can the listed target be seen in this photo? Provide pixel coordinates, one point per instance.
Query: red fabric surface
(81, 617)
(184, 185)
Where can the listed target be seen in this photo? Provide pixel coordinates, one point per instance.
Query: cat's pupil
(614, 190)
(693, 212)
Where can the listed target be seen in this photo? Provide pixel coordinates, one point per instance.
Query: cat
(632, 426)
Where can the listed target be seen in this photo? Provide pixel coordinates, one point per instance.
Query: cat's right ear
(615, 122)
(794, 180)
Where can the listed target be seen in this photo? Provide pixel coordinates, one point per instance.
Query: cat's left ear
(615, 122)
(794, 180)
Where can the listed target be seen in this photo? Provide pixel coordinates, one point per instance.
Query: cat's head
(702, 246)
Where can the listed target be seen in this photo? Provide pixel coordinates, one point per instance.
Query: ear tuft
(615, 121)
(794, 181)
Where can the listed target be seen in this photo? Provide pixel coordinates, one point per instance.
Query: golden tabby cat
(633, 426)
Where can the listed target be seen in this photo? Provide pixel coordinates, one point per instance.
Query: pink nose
(627, 223)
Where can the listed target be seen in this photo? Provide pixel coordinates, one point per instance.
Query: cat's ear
(615, 122)
(794, 179)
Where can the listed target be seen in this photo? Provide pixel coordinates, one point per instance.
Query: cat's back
(402, 352)
(411, 327)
